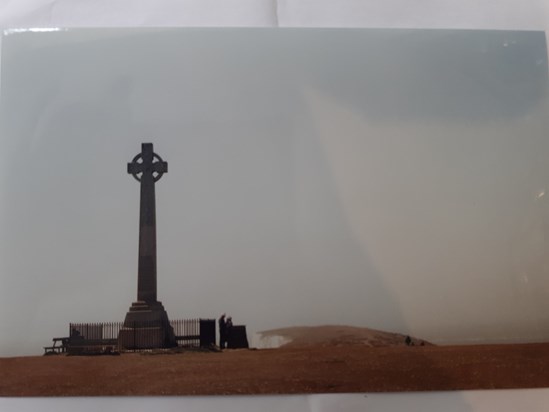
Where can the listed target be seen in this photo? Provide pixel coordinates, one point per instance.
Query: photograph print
(273, 211)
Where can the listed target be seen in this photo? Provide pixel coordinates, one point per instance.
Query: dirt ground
(305, 369)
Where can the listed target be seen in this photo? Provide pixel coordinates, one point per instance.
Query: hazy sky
(393, 179)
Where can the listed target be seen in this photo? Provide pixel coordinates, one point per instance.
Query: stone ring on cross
(147, 163)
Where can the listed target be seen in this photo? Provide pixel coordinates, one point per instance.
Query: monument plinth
(146, 324)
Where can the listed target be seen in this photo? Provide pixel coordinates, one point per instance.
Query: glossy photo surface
(369, 206)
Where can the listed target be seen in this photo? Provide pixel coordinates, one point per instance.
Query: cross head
(147, 163)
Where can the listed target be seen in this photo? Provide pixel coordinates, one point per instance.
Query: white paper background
(477, 14)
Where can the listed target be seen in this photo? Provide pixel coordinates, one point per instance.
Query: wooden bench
(59, 346)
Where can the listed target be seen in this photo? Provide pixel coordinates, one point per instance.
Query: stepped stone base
(146, 327)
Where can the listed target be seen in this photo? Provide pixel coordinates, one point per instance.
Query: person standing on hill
(222, 332)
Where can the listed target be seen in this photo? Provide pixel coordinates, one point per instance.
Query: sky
(392, 179)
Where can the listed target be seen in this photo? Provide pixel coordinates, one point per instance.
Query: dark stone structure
(237, 338)
(146, 324)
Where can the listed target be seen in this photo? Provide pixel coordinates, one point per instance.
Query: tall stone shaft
(146, 273)
(146, 324)
(147, 171)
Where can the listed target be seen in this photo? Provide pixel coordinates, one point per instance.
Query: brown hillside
(304, 369)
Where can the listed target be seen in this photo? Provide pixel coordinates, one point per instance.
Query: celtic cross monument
(146, 324)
